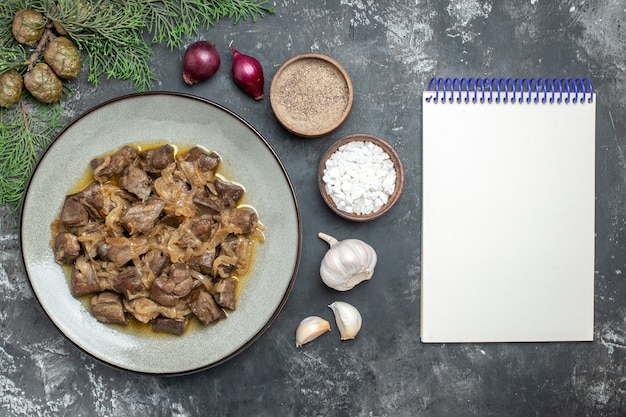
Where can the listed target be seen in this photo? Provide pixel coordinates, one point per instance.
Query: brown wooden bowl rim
(344, 115)
(393, 198)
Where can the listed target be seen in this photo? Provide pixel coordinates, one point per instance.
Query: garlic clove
(347, 262)
(311, 328)
(348, 319)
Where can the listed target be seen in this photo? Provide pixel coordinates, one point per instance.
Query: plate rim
(274, 154)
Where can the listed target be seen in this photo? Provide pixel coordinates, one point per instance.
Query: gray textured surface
(390, 48)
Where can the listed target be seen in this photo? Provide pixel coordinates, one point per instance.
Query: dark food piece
(199, 167)
(155, 160)
(128, 282)
(204, 199)
(94, 199)
(229, 193)
(105, 168)
(232, 255)
(119, 251)
(239, 220)
(205, 307)
(167, 325)
(156, 260)
(73, 213)
(203, 263)
(141, 217)
(225, 296)
(219, 195)
(205, 162)
(202, 228)
(136, 181)
(224, 265)
(233, 246)
(103, 251)
(83, 278)
(67, 247)
(91, 239)
(167, 290)
(107, 306)
(188, 240)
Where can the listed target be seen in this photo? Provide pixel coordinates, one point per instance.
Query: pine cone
(10, 87)
(43, 84)
(28, 26)
(63, 57)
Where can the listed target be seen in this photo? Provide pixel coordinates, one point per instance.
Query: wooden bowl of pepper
(360, 177)
(311, 95)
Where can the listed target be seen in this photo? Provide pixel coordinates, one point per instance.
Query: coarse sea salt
(359, 177)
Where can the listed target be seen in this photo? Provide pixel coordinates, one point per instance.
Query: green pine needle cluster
(24, 132)
(114, 38)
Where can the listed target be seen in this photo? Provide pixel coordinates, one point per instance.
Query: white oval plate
(247, 158)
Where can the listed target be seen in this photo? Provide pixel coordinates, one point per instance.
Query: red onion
(248, 74)
(200, 62)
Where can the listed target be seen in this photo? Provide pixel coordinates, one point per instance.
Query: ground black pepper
(311, 95)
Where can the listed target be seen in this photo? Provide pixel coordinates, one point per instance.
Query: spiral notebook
(508, 210)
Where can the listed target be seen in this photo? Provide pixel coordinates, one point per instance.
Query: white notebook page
(507, 222)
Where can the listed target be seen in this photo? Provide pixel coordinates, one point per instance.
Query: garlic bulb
(347, 262)
(311, 328)
(348, 319)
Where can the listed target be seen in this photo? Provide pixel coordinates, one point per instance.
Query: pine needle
(25, 129)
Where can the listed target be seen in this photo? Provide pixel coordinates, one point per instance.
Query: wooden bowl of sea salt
(360, 177)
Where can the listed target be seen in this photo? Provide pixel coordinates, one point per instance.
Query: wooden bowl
(392, 197)
(311, 95)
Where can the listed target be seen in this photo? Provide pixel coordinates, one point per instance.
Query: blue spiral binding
(490, 90)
